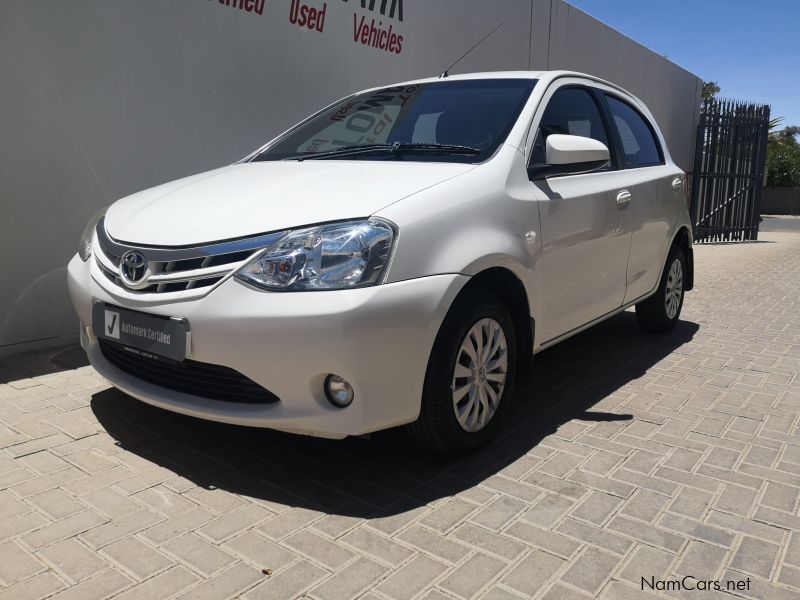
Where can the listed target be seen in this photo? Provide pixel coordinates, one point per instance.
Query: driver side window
(571, 111)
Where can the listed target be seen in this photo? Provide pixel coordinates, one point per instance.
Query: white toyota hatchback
(397, 258)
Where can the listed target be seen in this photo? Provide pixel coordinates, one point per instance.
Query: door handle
(623, 197)
(677, 183)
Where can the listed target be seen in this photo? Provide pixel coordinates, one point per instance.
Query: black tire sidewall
(662, 289)
(652, 312)
(468, 310)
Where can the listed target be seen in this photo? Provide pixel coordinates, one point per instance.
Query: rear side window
(639, 143)
(571, 111)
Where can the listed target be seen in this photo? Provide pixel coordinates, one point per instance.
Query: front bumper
(378, 338)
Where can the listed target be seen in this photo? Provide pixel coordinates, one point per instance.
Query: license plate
(140, 332)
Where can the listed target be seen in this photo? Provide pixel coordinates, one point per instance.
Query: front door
(584, 225)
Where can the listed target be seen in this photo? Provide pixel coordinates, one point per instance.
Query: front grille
(189, 377)
(177, 269)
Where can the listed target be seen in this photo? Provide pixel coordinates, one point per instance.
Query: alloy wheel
(479, 376)
(674, 289)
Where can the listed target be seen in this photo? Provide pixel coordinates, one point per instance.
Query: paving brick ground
(635, 456)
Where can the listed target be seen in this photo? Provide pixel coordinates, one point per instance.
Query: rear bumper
(377, 338)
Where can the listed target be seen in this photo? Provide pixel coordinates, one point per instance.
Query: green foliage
(783, 163)
(774, 122)
(710, 89)
(790, 133)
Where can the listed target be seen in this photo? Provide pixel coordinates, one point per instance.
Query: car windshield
(453, 121)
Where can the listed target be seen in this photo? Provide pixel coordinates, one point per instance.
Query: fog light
(338, 391)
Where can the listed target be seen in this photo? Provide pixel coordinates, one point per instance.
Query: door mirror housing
(570, 154)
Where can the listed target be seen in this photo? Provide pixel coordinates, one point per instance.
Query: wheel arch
(683, 239)
(504, 284)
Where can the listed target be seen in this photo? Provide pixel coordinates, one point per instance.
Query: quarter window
(639, 145)
(571, 111)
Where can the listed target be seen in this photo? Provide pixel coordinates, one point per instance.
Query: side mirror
(570, 154)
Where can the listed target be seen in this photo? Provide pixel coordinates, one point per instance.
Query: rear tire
(470, 376)
(660, 312)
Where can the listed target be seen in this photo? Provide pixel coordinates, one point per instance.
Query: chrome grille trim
(181, 253)
(171, 270)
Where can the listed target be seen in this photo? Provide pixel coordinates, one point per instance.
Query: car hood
(251, 198)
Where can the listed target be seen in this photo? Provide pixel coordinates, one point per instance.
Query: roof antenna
(486, 37)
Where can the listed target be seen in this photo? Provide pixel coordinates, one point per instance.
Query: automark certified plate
(139, 332)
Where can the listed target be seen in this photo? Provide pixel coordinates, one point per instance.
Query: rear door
(657, 191)
(584, 230)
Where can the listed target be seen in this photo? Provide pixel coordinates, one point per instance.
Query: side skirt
(578, 330)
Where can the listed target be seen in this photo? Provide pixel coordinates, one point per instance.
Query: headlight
(85, 245)
(329, 257)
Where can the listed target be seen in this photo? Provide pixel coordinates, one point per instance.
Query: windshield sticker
(367, 121)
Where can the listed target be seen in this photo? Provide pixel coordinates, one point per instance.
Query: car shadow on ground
(385, 475)
(41, 362)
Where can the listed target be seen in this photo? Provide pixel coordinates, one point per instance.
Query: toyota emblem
(132, 268)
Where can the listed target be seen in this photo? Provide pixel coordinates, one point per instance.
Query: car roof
(548, 75)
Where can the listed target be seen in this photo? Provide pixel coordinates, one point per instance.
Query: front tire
(660, 312)
(469, 378)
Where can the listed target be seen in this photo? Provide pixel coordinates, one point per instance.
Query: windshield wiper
(396, 148)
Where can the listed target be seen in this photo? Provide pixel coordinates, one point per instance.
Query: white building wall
(101, 98)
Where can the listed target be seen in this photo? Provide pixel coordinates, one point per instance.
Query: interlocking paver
(448, 514)
(647, 561)
(645, 505)
(701, 557)
(198, 554)
(11, 506)
(287, 584)
(780, 496)
(164, 501)
(235, 522)
(412, 578)
(498, 544)
(260, 551)
(350, 581)
(327, 553)
(548, 510)
(164, 585)
(285, 523)
(789, 576)
(662, 538)
(533, 573)
(60, 530)
(741, 525)
(735, 499)
(476, 573)
(100, 586)
(121, 527)
(33, 588)
(643, 456)
(755, 556)
(595, 536)
(228, 584)
(591, 570)
(137, 558)
(498, 514)
(56, 504)
(691, 502)
(377, 546)
(427, 541)
(176, 526)
(597, 508)
(73, 559)
(17, 563)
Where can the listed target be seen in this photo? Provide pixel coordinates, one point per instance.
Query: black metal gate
(728, 176)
